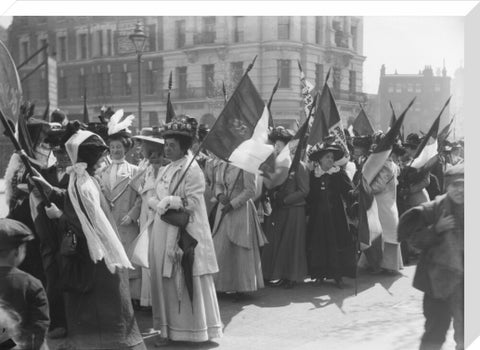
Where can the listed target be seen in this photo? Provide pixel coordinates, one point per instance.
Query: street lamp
(138, 39)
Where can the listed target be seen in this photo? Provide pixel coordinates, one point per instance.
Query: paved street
(386, 314)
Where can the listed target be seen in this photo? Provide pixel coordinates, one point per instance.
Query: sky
(408, 44)
(405, 44)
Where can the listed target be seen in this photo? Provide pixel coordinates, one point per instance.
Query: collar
(118, 161)
(318, 171)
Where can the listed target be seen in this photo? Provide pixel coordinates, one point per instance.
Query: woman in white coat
(180, 313)
(123, 199)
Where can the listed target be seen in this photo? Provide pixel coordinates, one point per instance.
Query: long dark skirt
(103, 318)
(284, 257)
(330, 246)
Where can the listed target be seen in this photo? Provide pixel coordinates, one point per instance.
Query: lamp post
(138, 39)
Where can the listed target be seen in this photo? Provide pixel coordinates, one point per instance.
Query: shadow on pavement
(319, 295)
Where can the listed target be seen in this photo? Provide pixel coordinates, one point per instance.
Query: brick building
(431, 90)
(95, 52)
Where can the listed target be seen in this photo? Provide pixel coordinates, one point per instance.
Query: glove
(175, 202)
(153, 202)
(53, 212)
(223, 199)
(226, 209)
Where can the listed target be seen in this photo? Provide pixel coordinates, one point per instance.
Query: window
(109, 42)
(237, 71)
(398, 88)
(437, 87)
(390, 88)
(62, 48)
(352, 82)
(153, 118)
(100, 43)
(208, 78)
(284, 73)
(410, 87)
(318, 30)
(44, 54)
(182, 81)
(24, 50)
(207, 36)
(418, 87)
(238, 24)
(319, 76)
(180, 33)
(150, 81)
(82, 38)
(209, 24)
(127, 83)
(152, 37)
(283, 28)
(353, 32)
(337, 78)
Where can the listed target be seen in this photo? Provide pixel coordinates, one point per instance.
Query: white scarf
(102, 240)
(318, 171)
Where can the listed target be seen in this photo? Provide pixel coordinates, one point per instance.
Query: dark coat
(330, 244)
(25, 294)
(440, 268)
(97, 302)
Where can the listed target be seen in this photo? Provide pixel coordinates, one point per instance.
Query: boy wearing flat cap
(19, 290)
(437, 229)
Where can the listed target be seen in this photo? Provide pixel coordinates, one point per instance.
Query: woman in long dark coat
(93, 263)
(283, 258)
(330, 244)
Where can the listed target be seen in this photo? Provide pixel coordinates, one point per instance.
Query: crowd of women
(182, 227)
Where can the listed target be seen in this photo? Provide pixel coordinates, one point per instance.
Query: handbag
(69, 243)
(176, 217)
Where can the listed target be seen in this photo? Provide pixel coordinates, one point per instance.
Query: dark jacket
(330, 244)
(25, 294)
(440, 268)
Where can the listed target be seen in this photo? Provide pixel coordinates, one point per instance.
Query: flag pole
(249, 68)
(225, 99)
(9, 132)
(275, 88)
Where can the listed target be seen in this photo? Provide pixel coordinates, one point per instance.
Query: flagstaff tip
(250, 66)
(299, 65)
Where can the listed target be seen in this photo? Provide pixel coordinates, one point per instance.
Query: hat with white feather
(118, 129)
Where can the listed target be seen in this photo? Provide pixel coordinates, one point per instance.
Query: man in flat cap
(437, 229)
(20, 291)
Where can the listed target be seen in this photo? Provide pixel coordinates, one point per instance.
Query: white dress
(174, 314)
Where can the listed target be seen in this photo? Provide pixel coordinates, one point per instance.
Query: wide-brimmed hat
(185, 126)
(280, 134)
(413, 140)
(152, 134)
(320, 149)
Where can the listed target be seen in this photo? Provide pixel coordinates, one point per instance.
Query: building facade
(431, 92)
(94, 54)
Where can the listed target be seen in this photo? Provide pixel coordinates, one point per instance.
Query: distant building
(431, 92)
(95, 52)
(458, 96)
